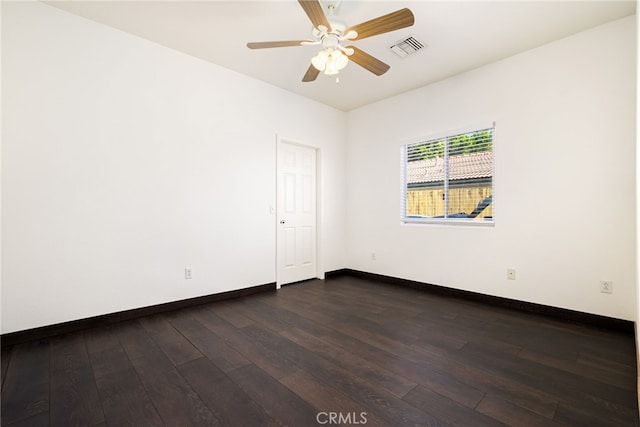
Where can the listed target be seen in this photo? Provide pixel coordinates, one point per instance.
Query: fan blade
(393, 21)
(311, 74)
(368, 62)
(265, 45)
(314, 11)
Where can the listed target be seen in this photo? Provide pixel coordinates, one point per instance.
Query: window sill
(447, 222)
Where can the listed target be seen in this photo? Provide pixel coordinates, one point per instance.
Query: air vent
(406, 47)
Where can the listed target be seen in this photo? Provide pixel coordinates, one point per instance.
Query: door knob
(282, 221)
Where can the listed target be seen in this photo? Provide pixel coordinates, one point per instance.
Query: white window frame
(441, 135)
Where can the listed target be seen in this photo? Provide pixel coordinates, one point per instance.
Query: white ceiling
(460, 35)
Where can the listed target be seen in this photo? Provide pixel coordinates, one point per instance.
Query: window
(449, 179)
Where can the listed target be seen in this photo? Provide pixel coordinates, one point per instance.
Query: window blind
(449, 178)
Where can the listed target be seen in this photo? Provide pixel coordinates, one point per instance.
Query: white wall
(564, 177)
(637, 182)
(123, 162)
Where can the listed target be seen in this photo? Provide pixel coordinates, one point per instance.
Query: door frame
(319, 273)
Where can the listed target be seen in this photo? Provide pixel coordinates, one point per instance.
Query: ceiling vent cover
(406, 47)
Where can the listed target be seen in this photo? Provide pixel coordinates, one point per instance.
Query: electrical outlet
(511, 274)
(606, 286)
(373, 256)
(188, 273)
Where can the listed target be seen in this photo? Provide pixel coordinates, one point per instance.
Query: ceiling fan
(334, 56)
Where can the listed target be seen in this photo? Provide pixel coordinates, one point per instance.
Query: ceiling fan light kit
(334, 57)
(330, 61)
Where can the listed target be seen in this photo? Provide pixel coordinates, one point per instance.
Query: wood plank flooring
(368, 352)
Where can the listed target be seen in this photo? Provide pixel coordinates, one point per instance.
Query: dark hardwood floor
(358, 351)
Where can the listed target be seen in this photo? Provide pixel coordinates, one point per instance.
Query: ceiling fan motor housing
(330, 42)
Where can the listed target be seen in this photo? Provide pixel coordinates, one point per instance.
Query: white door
(296, 213)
